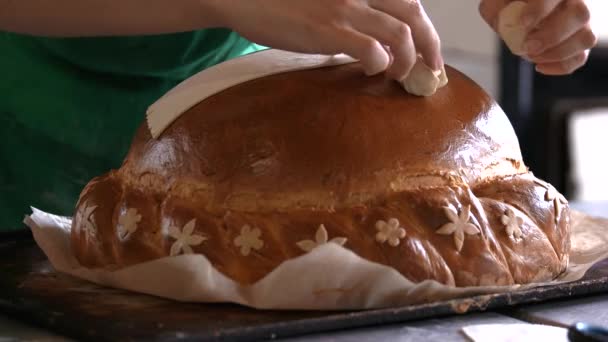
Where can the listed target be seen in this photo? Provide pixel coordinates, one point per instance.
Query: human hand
(559, 32)
(385, 35)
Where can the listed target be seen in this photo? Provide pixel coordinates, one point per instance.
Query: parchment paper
(328, 278)
(515, 333)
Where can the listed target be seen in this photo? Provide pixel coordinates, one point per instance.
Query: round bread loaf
(267, 170)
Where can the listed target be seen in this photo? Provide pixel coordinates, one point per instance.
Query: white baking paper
(515, 333)
(330, 277)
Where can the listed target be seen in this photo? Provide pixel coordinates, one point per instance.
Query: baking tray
(32, 291)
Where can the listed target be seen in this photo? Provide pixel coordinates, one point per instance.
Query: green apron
(69, 107)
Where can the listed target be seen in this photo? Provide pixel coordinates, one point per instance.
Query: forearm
(69, 18)
(385, 35)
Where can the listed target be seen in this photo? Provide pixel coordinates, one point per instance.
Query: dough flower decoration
(552, 195)
(321, 238)
(249, 239)
(459, 225)
(87, 223)
(390, 231)
(127, 223)
(512, 224)
(184, 238)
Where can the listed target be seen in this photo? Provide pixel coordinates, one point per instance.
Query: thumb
(490, 9)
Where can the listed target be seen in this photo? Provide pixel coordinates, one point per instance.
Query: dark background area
(540, 109)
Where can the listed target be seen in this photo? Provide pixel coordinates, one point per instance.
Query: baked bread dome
(267, 170)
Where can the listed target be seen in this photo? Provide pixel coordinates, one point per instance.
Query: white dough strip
(228, 74)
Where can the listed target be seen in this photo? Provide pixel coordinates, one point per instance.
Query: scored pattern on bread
(266, 171)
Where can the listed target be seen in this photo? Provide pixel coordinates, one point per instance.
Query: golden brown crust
(290, 138)
(262, 172)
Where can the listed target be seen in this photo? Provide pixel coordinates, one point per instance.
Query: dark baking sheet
(32, 291)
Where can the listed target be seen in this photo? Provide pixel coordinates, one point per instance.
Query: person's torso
(70, 106)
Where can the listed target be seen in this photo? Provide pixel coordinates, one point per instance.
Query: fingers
(557, 36)
(538, 10)
(382, 34)
(567, 19)
(490, 9)
(373, 56)
(404, 56)
(560, 44)
(423, 33)
(564, 67)
(582, 40)
(393, 33)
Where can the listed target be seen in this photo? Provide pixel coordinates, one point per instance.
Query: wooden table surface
(593, 309)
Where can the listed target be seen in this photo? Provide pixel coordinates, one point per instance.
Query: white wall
(589, 162)
(468, 43)
(599, 11)
(460, 26)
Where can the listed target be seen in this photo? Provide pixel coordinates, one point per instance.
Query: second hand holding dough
(422, 81)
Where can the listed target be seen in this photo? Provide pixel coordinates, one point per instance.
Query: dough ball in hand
(423, 81)
(510, 28)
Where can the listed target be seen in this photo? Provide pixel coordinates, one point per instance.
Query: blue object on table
(582, 332)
